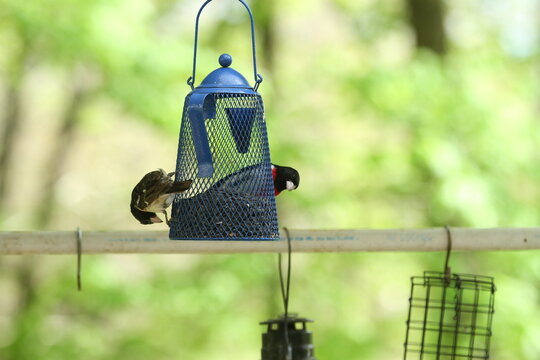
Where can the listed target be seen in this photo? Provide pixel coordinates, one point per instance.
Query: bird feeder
(223, 148)
(450, 317)
(287, 335)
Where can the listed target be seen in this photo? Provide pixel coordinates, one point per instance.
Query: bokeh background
(397, 113)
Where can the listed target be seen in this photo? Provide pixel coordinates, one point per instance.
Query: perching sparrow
(155, 193)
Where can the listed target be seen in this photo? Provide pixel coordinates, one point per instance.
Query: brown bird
(155, 193)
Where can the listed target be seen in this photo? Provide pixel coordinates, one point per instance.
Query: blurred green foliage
(383, 134)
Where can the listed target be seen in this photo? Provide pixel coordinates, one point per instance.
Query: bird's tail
(179, 186)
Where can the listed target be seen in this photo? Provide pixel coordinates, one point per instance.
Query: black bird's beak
(155, 220)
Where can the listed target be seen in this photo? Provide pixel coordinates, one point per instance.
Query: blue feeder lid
(225, 77)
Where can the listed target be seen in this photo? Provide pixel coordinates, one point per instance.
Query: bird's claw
(167, 221)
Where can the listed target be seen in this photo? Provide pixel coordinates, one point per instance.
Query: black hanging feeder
(287, 335)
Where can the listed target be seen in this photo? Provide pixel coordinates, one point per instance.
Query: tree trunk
(12, 119)
(265, 12)
(11, 125)
(62, 144)
(23, 318)
(427, 20)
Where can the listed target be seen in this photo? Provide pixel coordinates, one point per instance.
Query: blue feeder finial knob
(225, 60)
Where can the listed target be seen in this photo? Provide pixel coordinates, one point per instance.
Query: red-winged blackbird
(284, 178)
(153, 194)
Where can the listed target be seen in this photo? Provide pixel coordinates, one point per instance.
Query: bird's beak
(156, 220)
(290, 185)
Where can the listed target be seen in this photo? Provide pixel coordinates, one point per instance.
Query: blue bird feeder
(223, 147)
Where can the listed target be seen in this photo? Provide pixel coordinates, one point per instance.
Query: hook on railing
(447, 270)
(79, 258)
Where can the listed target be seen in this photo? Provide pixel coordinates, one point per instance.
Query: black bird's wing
(151, 186)
(154, 185)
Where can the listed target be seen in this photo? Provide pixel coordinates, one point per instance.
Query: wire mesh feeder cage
(223, 147)
(449, 317)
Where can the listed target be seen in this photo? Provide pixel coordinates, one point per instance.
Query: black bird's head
(144, 217)
(284, 178)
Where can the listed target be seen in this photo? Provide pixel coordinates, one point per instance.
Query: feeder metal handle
(258, 77)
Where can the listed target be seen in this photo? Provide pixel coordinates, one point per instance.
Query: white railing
(354, 240)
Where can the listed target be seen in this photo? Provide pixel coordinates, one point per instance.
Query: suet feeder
(287, 336)
(223, 148)
(450, 317)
